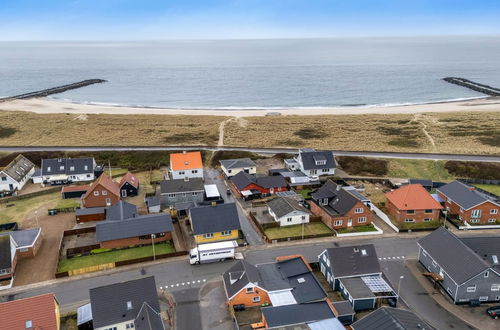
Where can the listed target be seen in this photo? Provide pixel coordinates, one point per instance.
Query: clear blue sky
(208, 19)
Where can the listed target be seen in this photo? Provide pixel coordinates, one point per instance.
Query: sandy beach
(42, 105)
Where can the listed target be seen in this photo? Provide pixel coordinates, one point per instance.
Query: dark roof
(148, 319)
(18, 168)
(239, 275)
(212, 219)
(388, 318)
(357, 288)
(328, 190)
(309, 158)
(282, 206)
(343, 308)
(340, 200)
(121, 210)
(242, 180)
(297, 314)
(109, 303)
(350, 260)
(181, 185)
(486, 248)
(462, 194)
(152, 201)
(453, 256)
(133, 227)
(78, 164)
(25, 237)
(5, 253)
(237, 163)
(423, 182)
(90, 210)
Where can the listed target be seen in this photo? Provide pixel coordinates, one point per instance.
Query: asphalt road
(373, 154)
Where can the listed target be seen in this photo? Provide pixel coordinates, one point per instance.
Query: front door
(11, 186)
(349, 223)
(124, 192)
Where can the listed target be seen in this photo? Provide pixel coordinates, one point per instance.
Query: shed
(74, 191)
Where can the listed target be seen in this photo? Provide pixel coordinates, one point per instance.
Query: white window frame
(483, 298)
(358, 210)
(409, 220)
(289, 219)
(495, 287)
(494, 211)
(362, 220)
(104, 192)
(471, 288)
(492, 220)
(475, 213)
(427, 219)
(208, 235)
(226, 233)
(338, 222)
(256, 299)
(249, 290)
(96, 193)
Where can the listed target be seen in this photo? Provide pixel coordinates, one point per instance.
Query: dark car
(494, 312)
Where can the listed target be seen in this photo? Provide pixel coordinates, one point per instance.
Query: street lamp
(445, 212)
(399, 283)
(153, 236)
(36, 218)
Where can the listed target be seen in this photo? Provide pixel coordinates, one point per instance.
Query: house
(231, 167)
(250, 186)
(129, 185)
(153, 204)
(339, 207)
(287, 211)
(64, 170)
(74, 191)
(181, 194)
(388, 318)
(315, 315)
(412, 203)
(469, 204)
(8, 260)
(186, 165)
(102, 192)
(297, 179)
(287, 281)
(14, 176)
(468, 269)
(38, 312)
(134, 231)
(126, 305)
(356, 273)
(90, 214)
(219, 222)
(313, 163)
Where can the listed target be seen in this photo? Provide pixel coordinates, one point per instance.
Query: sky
(230, 19)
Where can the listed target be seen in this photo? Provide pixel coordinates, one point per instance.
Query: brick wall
(466, 214)
(100, 201)
(132, 241)
(419, 215)
(246, 299)
(330, 220)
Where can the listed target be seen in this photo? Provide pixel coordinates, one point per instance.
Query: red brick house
(339, 207)
(249, 185)
(38, 312)
(470, 204)
(412, 203)
(102, 192)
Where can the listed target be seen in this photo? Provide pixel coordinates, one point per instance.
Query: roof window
(129, 305)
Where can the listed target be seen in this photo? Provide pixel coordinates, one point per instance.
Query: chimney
(186, 179)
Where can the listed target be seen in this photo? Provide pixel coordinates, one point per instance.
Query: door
(11, 186)
(349, 223)
(124, 192)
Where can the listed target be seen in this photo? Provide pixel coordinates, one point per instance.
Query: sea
(254, 74)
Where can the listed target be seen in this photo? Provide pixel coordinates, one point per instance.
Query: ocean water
(254, 73)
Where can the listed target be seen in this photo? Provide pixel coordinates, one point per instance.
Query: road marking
(183, 283)
(391, 258)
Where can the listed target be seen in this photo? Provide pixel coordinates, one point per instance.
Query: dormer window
(61, 167)
(129, 305)
(250, 290)
(321, 162)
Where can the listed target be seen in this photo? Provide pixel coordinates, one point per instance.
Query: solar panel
(376, 284)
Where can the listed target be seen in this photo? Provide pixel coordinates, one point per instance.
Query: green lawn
(492, 188)
(304, 193)
(418, 225)
(117, 172)
(312, 228)
(67, 203)
(117, 255)
(418, 169)
(357, 229)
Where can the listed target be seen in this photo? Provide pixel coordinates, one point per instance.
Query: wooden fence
(29, 195)
(78, 231)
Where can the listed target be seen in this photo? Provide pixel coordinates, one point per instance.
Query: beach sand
(42, 105)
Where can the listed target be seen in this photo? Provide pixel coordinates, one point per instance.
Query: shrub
(363, 166)
(473, 170)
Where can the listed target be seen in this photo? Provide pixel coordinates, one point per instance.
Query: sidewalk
(474, 316)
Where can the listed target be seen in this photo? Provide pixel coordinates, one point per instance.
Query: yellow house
(215, 223)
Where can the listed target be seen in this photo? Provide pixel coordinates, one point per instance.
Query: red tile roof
(75, 188)
(412, 197)
(105, 181)
(130, 178)
(40, 310)
(186, 161)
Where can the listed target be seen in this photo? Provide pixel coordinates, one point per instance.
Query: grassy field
(24, 207)
(67, 203)
(418, 169)
(312, 228)
(357, 229)
(492, 188)
(112, 256)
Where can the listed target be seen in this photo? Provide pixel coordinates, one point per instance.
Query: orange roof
(75, 188)
(130, 178)
(40, 310)
(185, 161)
(105, 181)
(412, 197)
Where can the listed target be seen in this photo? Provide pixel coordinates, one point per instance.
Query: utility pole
(399, 284)
(153, 236)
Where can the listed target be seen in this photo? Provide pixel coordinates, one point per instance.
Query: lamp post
(36, 218)
(153, 236)
(445, 212)
(399, 283)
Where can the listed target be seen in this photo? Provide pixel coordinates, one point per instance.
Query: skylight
(495, 259)
(301, 280)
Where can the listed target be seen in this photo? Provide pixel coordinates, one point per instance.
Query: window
(409, 220)
(48, 169)
(209, 235)
(29, 324)
(410, 211)
(303, 217)
(428, 211)
(71, 168)
(427, 219)
(256, 299)
(483, 298)
(226, 233)
(474, 220)
(338, 222)
(86, 167)
(108, 201)
(96, 193)
(88, 175)
(288, 219)
(250, 290)
(4, 178)
(61, 167)
(495, 287)
(181, 172)
(475, 214)
(194, 171)
(494, 211)
(471, 288)
(449, 291)
(358, 210)
(229, 171)
(492, 220)
(170, 195)
(362, 220)
(486, 274)
(195, 193)
(104, 192)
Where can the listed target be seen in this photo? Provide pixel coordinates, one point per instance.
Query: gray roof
(90, 210)
(340, 200)
(272, 279)
(18, 168)
(121, 211)
(309, 158)
(78, 164)
(152, 201)
(213, 219)
(282, 206)
(423, 182)
(297, 314)
(239, 275)
(109, 303)
(237, 163)
(388, 318)
(461, 194)
(133, 227)
(37, 173)
(25, 237)
(242, 180)
(357, 288)
(343, 308)
(350, 260)
(485, 248)
(453, 256)
(5, 253)
(148, 319)
(181, 185)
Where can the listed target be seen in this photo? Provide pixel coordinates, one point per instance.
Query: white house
(231, 167)
(15, 175)
(312, 163)
(64, 170)
(287, 211)
(186, 165)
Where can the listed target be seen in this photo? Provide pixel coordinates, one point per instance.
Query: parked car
(494, 312)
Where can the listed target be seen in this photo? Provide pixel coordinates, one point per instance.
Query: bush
(363, 166)
(97, 251)
(473, 170)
